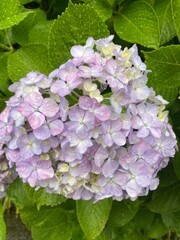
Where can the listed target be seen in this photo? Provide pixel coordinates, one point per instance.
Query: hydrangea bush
(111, 143)
(88, 143)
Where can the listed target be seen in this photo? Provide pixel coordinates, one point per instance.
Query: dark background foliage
(37, 35)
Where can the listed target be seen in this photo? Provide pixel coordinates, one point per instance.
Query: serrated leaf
(20, 32)
(103, 8)
(73, 28)
(164, 14)
(11, 13)
(165, 66)
(175, 5)
(41, 197)
(166, 199)
(4, 74)
(122, 212)
(93, 217)
(49, 223)
(18, 195)
(40, 32)
(2, 225)
(137, 22)
(33, 57)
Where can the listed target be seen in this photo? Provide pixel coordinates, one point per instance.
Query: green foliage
(137, 22)
(165, 66)
(175, 4)
(2, 224)
(122, 212)
(93, 217)
(32, 57)
(166, 199)
(11, 13)
(33, 38)
(49, 223)
(20, 32)
(40, 197)
(103, 7)
(66, 31)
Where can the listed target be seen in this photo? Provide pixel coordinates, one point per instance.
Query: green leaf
(33, 57)
(176, 164)
(18, 195)
(41, 197)
(122, 212)
(73, 28)
(20, 32)
(103, 8)
(165, 66)
(40, 32)
(164, 14)
(143, 218)
(49, 223)
(175, 5)
(172, 221)
(157, 229)
(2, 224)
(137, 22)
(93, 217)
(12, 13)
(4, 84)
(166, 199)
(168, 171)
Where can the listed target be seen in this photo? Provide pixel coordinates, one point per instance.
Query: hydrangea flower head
(92, 129)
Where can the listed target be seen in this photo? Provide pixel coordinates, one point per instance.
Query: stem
(8, 40)
(5, 47)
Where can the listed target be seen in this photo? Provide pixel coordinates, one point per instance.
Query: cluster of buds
(92, 129)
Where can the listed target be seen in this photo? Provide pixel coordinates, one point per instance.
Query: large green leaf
(93, 217)
(175, 4)
(166, 199)
(103, 8)
(20, 32)
(18, 195)
(165, 75)
(164, 14)
(122, 212)
(172, 221)
(137, 22)
(49, 223)
(40, 32)
(143, 218)
(4, 73)
(11, 13)
(2, 224)
(72, 28)
(157, 229)
(41, 197)
(33, 57)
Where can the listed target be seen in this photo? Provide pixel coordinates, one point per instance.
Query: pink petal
(103, 113)
(49, 107)
(36, 120)
(56, 127)
(34, 99)
(25, 109)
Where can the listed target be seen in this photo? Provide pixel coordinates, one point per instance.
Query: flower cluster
(92, 129)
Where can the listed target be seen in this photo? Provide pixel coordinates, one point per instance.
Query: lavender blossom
(92, 129)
